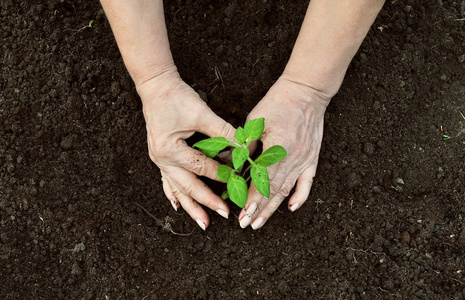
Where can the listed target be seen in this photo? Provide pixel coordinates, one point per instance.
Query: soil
(79, 194)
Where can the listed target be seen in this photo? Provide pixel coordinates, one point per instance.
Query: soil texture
(82, 210)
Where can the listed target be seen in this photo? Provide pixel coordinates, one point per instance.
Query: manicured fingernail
(222, 213)
(224, 154)
(247, 219)
(258, 223)
(251, 210)
(294, 207)
(174, 205)
(244, 222)
(201, 224)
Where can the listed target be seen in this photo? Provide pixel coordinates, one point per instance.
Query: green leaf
(271, 156)
(254, 128)
(260, 179)
(239, 156)
(225, 195)
(209, 153)
(224, 172)
(241, 135)
(213, 144)
(237, 189)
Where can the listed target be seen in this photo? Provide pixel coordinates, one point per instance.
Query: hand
(294, 115)
(173, 112)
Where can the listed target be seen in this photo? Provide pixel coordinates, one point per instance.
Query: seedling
(233, 173)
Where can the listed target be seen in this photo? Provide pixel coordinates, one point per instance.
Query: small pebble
(376, 189)
(76, 269)
(353, 180)
(461, 58)
(363, 57)
(67, 143)
(405, 237)
(369, 148)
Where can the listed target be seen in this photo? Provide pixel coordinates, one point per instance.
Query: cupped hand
(173, 112)
(294, 115)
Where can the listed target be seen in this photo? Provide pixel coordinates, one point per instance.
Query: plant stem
(236, 145)
(248, 168)
(251, 161)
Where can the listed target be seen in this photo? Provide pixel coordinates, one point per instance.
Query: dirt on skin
(82, 211)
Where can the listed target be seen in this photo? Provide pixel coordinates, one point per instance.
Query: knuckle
(176, 193)
(199, 165)
(285, 190)
(276, 138)
(274, 188)
(298, 151)
(208, 202)
(160, 148)
(189, 188)
(227, 130)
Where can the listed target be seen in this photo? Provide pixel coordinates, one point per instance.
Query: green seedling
(90, 23)
(446, 137)
(233, 173)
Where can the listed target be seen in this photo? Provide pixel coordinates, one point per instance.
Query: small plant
(232, 173)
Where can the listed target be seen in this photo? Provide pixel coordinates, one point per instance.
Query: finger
(214, 126)
(191, 207)
(225, 156)
(198, 163)
(169, 194)
(302, 190)
(266, 212)
(252, 147)
(254, 200)
(192, 186)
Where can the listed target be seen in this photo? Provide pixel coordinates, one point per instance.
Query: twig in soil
(366, 251)
(318, 201)
(213, 89)
(459, 281)
(462, 115)
(163, 224)
(219, 77)
(82, 28)
(463, 19)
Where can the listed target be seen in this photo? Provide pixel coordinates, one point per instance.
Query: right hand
(173, 112)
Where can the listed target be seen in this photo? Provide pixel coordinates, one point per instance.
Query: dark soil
(385, 219)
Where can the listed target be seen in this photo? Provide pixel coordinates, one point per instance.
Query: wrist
(160, 81)
(310, 92)
(324, 79)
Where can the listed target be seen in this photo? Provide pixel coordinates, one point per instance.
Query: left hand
(294, 115)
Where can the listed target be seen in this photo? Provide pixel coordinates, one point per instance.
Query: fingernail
(224, 154)
(251, 210)
(223, 213)
(294, 207)
(258, 223)
(174, 205)
(245, 221)
(201, 224)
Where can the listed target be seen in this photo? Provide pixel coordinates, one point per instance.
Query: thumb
(214, 126)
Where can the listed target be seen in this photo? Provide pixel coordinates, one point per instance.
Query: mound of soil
(82, 211)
